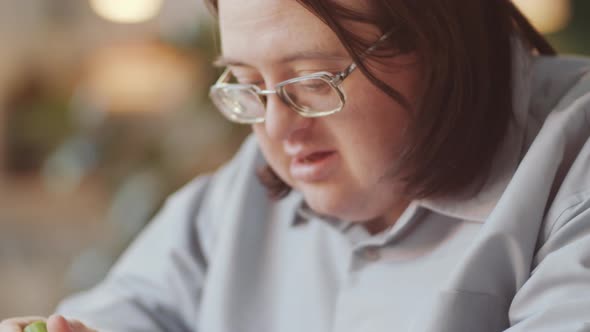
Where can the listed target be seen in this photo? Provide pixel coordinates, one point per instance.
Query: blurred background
(103, 113)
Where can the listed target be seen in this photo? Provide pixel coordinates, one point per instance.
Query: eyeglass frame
(335, 81)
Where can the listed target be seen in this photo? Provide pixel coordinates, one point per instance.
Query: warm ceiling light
(126, 11)
(546, 15)
(140, 78)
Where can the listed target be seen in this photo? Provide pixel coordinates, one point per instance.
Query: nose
(281, 122)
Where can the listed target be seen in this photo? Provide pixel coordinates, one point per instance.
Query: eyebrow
(222, 61)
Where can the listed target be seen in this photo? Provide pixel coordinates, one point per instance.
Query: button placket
(363, 256)
(371, 254)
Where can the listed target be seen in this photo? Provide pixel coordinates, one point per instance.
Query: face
(340, 163)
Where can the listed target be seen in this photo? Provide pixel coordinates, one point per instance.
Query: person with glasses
(417, 166)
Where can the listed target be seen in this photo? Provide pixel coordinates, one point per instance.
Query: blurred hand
(55, 323)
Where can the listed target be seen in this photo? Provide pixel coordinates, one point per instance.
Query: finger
(9, 328)
(57, 323)
(17, 324)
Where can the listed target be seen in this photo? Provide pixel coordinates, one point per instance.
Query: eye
(315, 85)
(246, 77)
(249, 80)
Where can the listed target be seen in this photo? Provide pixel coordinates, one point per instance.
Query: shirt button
(371, 254)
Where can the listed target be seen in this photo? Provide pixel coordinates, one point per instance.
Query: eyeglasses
(315, 95)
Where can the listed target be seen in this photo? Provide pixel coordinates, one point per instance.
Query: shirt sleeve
(557, 295)
(156, 284)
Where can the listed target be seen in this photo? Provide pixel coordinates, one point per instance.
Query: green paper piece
(36, 327)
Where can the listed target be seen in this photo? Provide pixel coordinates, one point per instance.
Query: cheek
(377, 123)
(376, 126)
(371, 133)
(375, 150)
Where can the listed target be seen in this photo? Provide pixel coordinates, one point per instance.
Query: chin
(331, 204)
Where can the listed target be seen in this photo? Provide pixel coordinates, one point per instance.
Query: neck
(380, 224)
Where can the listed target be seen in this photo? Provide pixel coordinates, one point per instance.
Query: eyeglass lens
(308, 97)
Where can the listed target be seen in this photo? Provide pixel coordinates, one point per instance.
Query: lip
(314, 166)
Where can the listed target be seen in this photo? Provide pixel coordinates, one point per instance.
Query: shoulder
(210, 202)
(564, 138)
(557, 81)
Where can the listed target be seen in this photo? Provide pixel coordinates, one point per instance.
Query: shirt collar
(474, 208)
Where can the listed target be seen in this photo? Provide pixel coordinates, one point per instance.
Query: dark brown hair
(464, 49)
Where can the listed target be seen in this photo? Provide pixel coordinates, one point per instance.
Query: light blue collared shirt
(222, 257)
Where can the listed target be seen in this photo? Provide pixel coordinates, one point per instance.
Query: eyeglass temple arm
(224, 77)
(342, 75)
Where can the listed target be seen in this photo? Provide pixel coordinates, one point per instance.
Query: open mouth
(317, 156)
(314, 167)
